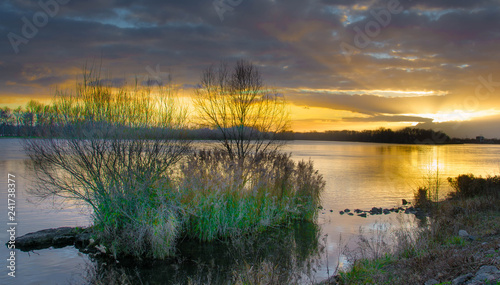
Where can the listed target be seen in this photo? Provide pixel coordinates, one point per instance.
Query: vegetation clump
(121, 151)
(227, 197)
(467, 186)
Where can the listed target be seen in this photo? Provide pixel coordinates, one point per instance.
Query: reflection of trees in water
(279, 256)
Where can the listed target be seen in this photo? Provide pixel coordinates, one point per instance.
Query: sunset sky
(341, 64)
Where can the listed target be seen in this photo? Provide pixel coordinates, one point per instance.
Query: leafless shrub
(249, 117)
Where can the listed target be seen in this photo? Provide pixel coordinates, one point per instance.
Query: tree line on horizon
(36, 118)
(407, 135)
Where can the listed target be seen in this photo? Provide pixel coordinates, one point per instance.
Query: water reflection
(287, 255)
(358, 175)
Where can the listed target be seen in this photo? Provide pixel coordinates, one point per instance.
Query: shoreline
(459, 244)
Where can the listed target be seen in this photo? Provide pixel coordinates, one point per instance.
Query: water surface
(358, 175)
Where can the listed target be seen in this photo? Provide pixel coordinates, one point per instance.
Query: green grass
(364, 271)
(456, 240)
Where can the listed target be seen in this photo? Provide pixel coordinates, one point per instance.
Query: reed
(227, 197)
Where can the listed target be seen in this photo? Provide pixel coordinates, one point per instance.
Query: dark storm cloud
(371, 104)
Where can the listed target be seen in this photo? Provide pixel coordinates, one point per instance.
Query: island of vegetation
(124, 152)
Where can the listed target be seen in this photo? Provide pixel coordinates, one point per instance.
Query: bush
(422, 199)
(467, 185)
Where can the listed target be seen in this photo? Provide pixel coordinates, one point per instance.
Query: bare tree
(250, 117)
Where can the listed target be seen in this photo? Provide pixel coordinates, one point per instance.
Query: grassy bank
(439, 248)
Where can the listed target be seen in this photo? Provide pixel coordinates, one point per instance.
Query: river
(358, 175)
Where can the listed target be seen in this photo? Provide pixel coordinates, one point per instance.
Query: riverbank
(459, 243)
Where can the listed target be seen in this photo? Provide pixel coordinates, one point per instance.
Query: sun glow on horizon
(456, 115)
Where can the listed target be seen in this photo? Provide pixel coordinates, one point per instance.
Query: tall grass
(428, 195)
(226, 197)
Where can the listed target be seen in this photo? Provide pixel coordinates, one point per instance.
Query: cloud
(372, 104)
(487, 127)
(440, 46)
(382, 118)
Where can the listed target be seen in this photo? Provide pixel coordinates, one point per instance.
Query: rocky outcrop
(58, 237)
(385, 211)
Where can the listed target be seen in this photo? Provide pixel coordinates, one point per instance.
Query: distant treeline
(36, 119)
(22, 122)
(381, 135)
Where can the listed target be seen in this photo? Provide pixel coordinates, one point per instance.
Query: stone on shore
(58, 237)
(462, 279)
(431, 282)
(463, 233)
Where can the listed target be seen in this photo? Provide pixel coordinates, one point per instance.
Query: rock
(431, 281)
(63, 240)
(376, 211)
(347, 210)
(386, 211)
(490, 251)
(404, 201)
(362, 215)
(410, 210)
(462, 279)
(488, 269)
(350, 214)
(83, 240)
(58, 237)
(331, 211)
(357, 211)
(463, 233)
(45, 238)
(341, 212)
(483, 277)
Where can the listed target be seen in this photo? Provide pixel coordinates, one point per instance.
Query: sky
(341, 64)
